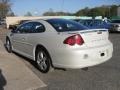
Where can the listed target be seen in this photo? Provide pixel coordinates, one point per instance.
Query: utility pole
(62, 6)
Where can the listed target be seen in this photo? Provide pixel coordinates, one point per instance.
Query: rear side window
(97, 22)
(62, 25)
(87, 22)
(38, 27)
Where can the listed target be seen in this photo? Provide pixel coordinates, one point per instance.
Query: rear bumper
(83, 58)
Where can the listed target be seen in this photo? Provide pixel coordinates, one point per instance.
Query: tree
(82, 12)
(28, 14)
(104, 10)
(113, 10)
(52, 13)
(10, 13)
(5, 7)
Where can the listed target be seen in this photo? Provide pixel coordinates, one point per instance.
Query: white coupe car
(60, 43)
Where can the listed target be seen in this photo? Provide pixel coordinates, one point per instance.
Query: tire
(43, 60)
(8, 45)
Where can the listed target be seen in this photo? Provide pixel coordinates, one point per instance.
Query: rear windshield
(115, 21)
(86, 22)
(62, 25)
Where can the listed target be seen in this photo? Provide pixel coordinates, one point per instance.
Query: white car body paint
(65, 56)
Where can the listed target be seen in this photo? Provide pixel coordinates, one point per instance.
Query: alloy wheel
(43, 61)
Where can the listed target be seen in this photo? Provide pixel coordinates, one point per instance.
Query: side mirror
(12, 27)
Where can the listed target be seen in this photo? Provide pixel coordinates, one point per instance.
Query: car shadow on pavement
(3, 81)
(33, 63)
(24, 58)
(27, 59)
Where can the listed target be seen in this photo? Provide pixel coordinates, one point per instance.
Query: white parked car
(60, 43)
(115, 25)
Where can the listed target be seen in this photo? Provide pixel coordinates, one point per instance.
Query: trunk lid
(93, 37)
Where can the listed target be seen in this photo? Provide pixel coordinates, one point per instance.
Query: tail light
(75, 39)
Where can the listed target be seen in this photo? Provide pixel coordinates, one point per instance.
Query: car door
(19, 38)
(35, 36)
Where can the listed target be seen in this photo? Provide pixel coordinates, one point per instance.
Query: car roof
(48, 19)
(45, 19)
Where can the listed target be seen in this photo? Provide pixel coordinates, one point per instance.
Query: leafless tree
(5, 8)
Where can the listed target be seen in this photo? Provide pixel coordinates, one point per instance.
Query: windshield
(115, 21)
(62, 25)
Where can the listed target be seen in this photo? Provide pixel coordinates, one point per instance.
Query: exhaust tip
(85, 69)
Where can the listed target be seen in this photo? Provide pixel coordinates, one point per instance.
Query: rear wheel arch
(8, 38)
(42, 47)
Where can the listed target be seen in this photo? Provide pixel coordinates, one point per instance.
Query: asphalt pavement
(105, 76)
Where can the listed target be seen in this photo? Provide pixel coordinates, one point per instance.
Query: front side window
(25, 28)
(62, 25)
(31, 27)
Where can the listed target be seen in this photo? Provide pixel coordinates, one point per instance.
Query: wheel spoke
(43, 65)
(8, 45)
(41, 60)
(44, 59)
(41, 55)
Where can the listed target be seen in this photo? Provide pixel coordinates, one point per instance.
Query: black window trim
(66, 30)
(17, 30)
